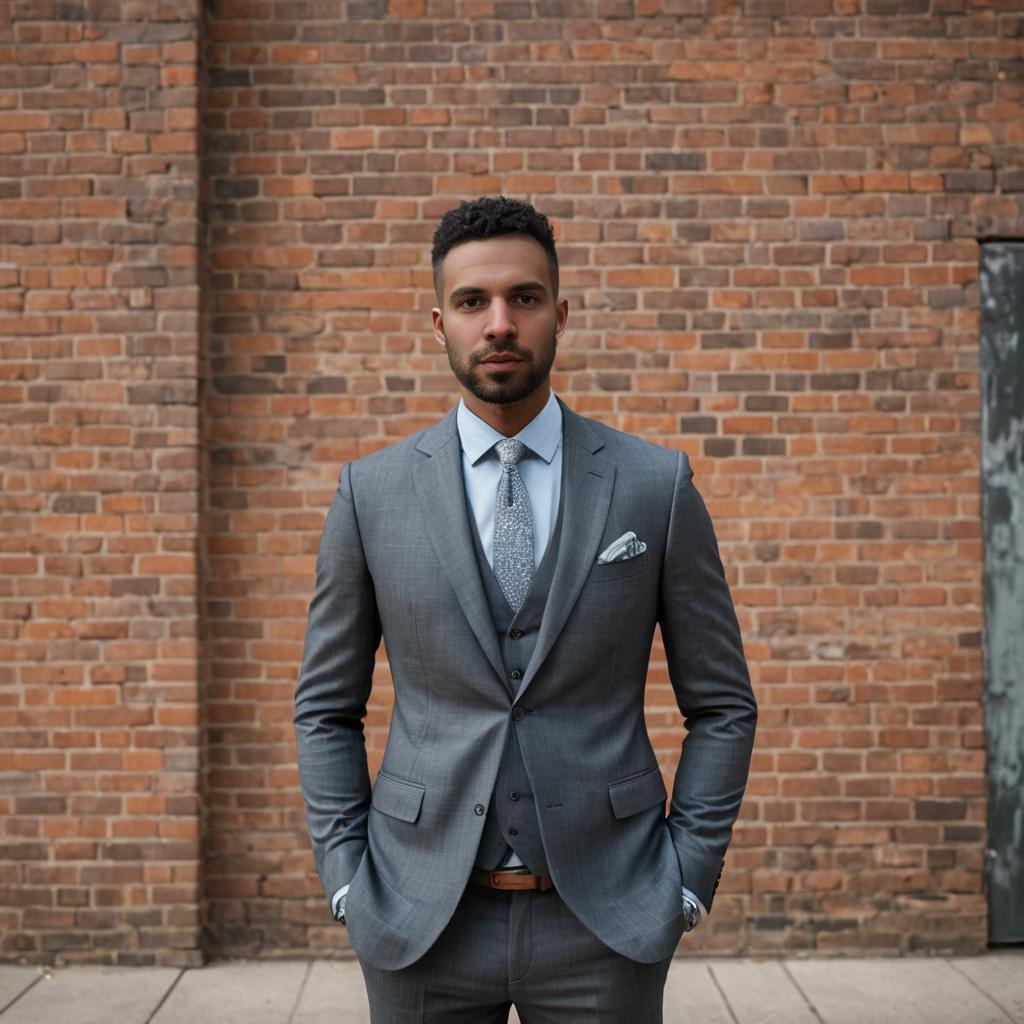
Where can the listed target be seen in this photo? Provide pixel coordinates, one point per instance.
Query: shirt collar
(541, 435)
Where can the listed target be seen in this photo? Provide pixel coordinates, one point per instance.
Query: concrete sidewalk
(961, 990)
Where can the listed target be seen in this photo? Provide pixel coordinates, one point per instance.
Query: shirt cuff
(696, 899)
(339, 895)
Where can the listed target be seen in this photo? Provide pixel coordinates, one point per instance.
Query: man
(516, 557)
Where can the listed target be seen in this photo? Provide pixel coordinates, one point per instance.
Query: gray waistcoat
(512, 816)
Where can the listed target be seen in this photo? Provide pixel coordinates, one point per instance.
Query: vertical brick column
(99, 809)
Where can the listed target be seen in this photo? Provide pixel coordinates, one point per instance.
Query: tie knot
(510, 451)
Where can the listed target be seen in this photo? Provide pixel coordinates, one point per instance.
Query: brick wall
(768, 215)
(99, 740)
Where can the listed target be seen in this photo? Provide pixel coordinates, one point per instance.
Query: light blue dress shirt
(540, 469)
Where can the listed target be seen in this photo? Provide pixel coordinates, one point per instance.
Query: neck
(508, 419)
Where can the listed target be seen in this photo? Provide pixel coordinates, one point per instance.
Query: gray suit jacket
(397, 558)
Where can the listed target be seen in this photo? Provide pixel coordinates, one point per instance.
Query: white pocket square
(627, 546)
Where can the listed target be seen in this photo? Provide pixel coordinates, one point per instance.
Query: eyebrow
(470, 289)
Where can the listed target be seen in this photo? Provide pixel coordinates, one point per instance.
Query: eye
(527, 300)
(467, 303)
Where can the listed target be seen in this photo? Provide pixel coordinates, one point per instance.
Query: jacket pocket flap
(397, 798)
(630, 796)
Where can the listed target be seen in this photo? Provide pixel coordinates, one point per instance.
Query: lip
(501, 361)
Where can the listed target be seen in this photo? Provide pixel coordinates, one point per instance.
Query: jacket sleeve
(342, 636)
(709, 676)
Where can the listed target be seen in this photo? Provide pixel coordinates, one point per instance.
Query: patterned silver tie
(513, 527)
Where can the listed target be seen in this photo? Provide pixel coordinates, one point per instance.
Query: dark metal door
(1002, 417)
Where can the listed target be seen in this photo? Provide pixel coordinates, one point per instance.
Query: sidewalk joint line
(721, 992)
(166, 996)
(302, 988)
(796, 984)
(988, 995)
(28, 988)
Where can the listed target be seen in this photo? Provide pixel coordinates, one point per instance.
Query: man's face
(500, 320)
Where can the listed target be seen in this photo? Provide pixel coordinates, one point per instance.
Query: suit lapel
(442, 496)
(586, 495)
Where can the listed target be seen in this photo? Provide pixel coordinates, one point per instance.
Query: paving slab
(1001, 975)
(14, 980)
(93, 995)
(235, 993)
(907, 991)
(691, 993)
(334, 993)
(761, 992)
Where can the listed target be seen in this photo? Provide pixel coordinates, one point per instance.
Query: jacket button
(517, 713)
(516, 674)
(516, 634)
(479, 809)
(514, 795)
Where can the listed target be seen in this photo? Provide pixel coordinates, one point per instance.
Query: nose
(500, 323)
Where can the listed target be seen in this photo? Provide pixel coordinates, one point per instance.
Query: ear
(561, 316)
(438, 319)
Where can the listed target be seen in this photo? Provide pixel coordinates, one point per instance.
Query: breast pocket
(614, 572)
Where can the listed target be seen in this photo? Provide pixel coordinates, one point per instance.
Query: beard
(509, 386)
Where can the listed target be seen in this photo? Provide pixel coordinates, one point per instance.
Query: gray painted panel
(1002, 362)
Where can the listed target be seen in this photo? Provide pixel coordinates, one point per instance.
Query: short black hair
(491, 217)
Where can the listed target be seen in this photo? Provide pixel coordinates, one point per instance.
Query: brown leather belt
(512, 880)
